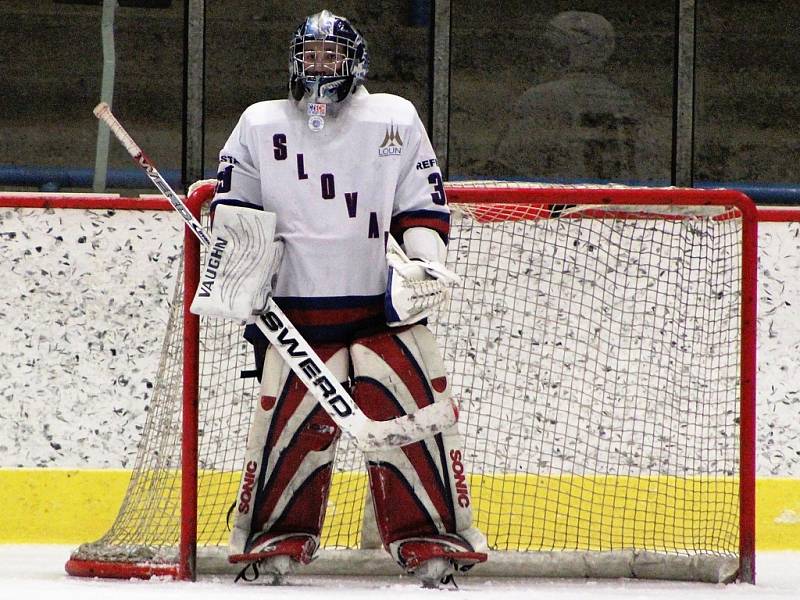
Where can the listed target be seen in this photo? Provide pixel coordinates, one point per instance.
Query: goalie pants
(418, 491)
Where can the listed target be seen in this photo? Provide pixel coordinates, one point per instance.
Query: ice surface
(38, 572)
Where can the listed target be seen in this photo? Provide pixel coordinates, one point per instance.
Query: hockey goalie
(336, 175)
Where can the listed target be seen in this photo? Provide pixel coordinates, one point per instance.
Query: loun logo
(392, 142)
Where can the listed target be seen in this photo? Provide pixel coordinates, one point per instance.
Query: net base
(628, 564)
(625, 564)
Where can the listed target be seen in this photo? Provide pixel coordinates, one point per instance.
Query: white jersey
(337, 194)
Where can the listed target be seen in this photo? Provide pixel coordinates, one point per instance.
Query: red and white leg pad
(419, 491)
(288, 466)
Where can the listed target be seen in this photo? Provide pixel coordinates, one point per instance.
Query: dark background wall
(521, 104)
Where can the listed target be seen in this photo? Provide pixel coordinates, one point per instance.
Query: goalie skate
(435, 563)
(276, 557)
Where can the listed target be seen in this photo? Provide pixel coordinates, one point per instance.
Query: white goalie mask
(328, 59)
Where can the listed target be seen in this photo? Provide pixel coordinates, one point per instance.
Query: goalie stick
(298, 354)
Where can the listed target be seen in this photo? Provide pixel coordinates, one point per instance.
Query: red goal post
(604, 440)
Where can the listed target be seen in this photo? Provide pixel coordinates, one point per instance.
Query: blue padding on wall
(761, 194)
(52, 179)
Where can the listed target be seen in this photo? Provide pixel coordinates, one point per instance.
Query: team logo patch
(392, 142)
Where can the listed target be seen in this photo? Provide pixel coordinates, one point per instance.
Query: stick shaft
(103, 112)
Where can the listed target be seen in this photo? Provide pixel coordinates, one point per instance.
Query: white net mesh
(595, 353)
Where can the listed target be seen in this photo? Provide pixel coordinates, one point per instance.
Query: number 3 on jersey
(224, 180)
(437, 196)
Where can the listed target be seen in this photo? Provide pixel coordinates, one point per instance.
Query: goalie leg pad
(418, 490)
(289, 458)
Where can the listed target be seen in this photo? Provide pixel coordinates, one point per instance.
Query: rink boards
(74, 506)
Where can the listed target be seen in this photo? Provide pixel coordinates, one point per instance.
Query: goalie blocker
(240, 266)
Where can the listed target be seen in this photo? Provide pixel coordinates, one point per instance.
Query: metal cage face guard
(332, 56)
(328, 59)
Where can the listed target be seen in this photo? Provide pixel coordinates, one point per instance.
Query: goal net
(601, 348)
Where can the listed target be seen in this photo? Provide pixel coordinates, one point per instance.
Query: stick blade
(401, 431)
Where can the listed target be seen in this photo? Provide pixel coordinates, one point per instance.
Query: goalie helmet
(328, 59)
